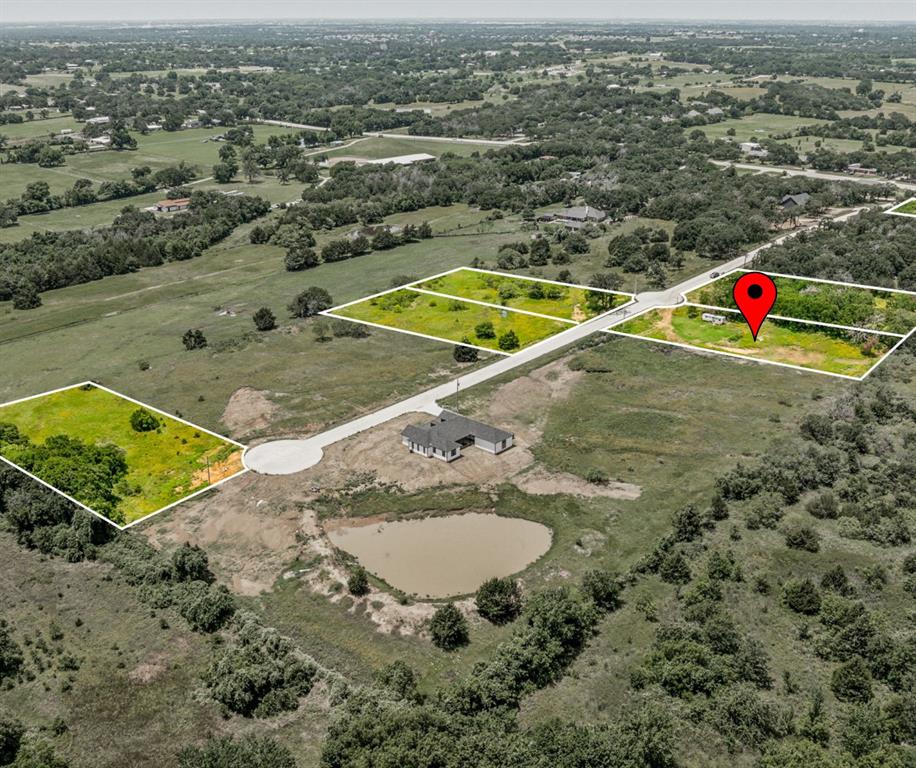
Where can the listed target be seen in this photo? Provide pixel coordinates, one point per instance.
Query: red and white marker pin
(755, 295)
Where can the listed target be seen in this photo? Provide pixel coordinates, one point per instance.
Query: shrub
(142, 420)
(508, 340)
(851, 681)
(26, 298)
(194, 339)
(823, 506)
(248, 751)
(802, 537)
(190, 563)
(358, 583)
(264, 319)
(298, 258)
(352, 330)
(485, 330)
(205, 607)
(499, 600)
(802, 597)
(687, 524)
(602, 588)
(464, 353)
(448, 628)
(11, 732)
(597, 476)
(674, 568)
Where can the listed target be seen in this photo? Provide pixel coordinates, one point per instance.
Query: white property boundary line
(894, 212)
(694, 348)
(412, 286)
(143, 405)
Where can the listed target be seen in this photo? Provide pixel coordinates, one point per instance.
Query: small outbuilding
(794, 201)
(444, 437)
(175, 204)
(710, 317)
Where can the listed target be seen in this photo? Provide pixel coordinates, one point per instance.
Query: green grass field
(164, 466)
(907, 207)
(567, 302)
(449, 319)
(777, 341)
(758, 126)
(374, 148)
(801, 299)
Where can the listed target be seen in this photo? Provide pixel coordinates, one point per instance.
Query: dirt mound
(540, 482)
(248, 410)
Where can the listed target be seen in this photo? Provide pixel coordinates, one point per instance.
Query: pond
(443, 556)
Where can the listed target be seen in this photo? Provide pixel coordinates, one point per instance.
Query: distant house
(752, 149)
(100, 141)
(709, 317)
(715, 111)
(172, 205)
(857, 169)
(445, 436)
(576, 217)
(419, 157)
(100, 120)
(373, 230)
(794, 201)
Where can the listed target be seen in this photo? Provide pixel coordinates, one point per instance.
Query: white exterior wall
(494, 447)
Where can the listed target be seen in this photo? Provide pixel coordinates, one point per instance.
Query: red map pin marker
(755, 295)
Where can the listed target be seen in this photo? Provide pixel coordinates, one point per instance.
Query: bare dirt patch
(248, 410)
(540, 482)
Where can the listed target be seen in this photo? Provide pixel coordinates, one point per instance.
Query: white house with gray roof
(445, 436)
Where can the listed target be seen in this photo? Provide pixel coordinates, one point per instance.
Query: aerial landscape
(458, 387)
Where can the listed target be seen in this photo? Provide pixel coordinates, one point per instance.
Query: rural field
(778, 341)
(823, 302)
(166, 461)
(908, 208)
(451, 319)
(565, 302)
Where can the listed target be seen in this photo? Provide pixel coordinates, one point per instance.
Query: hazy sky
(741, 10)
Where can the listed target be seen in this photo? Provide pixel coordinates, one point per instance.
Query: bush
(248, 751)
(499, 600)
(190, 563)
(205, 607)
(823, 507)
(602, 588)
(194, 339)
(802, 597)
(851, 681)
(352, 330)
(26, 298)
(142, 420)
(464, 353)
(264, 319)
(508, 341)
(802, 537)
(674, 568)
(448, 628)
(11, 732)
(358, 583)
(485, 330)
(310, 302)
(298, 258)
(596, 476)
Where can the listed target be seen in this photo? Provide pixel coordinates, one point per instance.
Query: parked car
(715, 274)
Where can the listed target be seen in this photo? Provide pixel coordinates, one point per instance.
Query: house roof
(419, 157)
(174, 201)
(582, 213)
(800, 199)
(448, 428)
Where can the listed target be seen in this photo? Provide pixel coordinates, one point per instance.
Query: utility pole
(208, 471)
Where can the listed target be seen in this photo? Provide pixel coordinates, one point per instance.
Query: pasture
(796, 344)
(562, 301)
(450, 319)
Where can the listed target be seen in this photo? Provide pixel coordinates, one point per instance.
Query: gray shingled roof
(800, 199)
(448, 428)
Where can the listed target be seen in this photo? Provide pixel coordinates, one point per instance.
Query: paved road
(285, 457)
(812, 174)
(488, 142)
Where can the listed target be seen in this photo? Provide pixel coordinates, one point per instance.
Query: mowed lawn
(567, 302)
(164, 466)
(777, 342)
(801, 299)
(908, 207)
(449, 319)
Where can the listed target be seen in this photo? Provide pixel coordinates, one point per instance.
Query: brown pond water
(444, 556)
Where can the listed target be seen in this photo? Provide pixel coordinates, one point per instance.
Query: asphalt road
(285, 457)
(812, 174)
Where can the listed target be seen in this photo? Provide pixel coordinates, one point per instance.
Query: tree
(11, 732)
(499, 600)
(674, 568)
(26, 298)
(264, 319)
(802, 597)
(250, 166)
(10, 654)
(300, 257)
(448, 628)
(190, 563)
(358, 583)
(508, 341)
(35, 752)
(310, 302)
(463, 353)
(540, 252)
(602, 588)
(224, 172)
(851, 681)
(194, 339)
(688, 524)
(142, 420)
(802, 537)
(249, 751)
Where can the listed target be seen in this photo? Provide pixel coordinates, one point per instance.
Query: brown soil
(217, 471)
(540, 482)
(248, 410)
